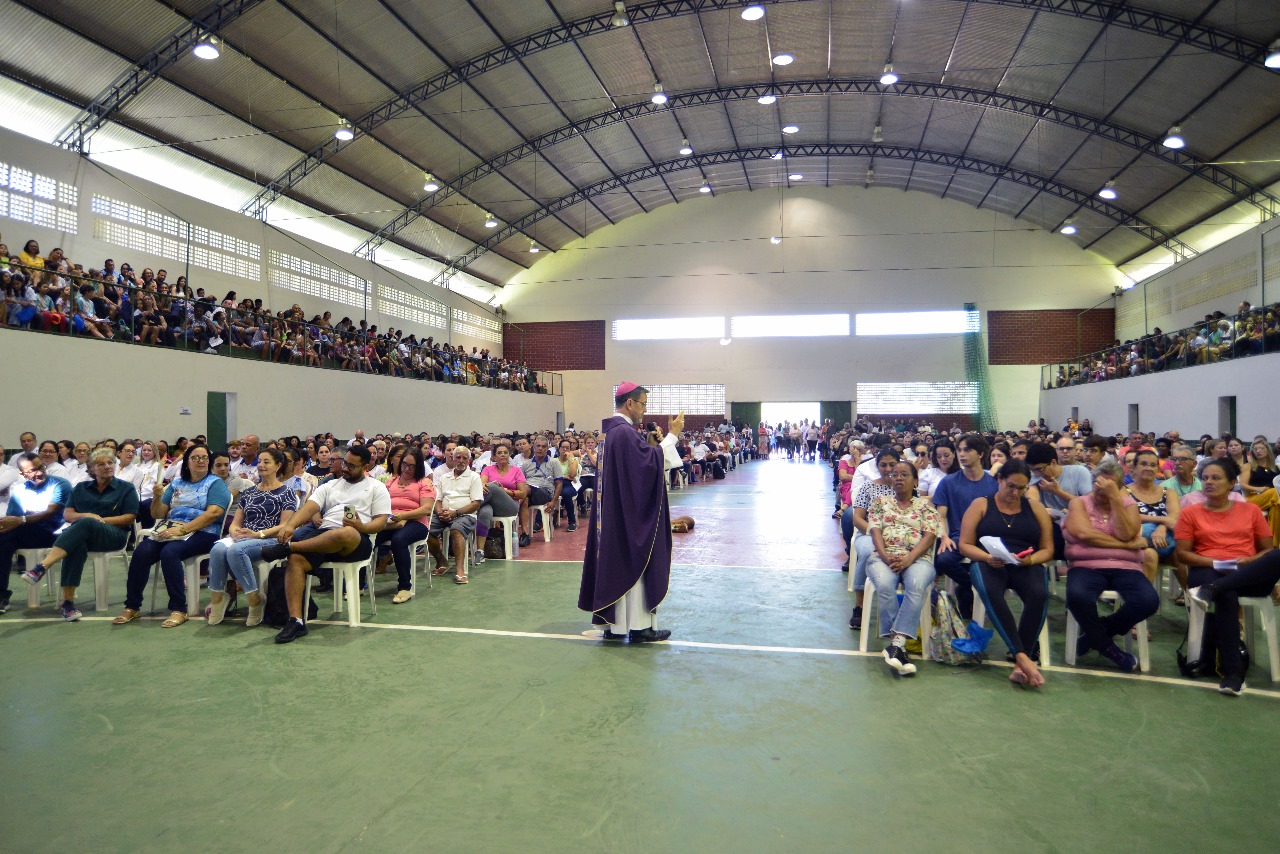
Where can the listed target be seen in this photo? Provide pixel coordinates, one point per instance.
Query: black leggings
(1256, 578)
(1031, 585)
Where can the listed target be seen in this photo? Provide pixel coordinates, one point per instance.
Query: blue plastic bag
(976, 642)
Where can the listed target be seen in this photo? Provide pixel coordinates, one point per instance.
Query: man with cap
(628, 562)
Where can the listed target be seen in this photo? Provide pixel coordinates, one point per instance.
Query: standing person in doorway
(628, 562)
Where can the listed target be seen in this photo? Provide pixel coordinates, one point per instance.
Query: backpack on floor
(276, 612)
(948, 626)
(495, 545)
(1209, 663)
(717, 470)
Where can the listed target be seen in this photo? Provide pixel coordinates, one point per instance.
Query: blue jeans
(900, 618)
(171, 554)
(401, 541)
(863, 548)
(239, 558)
(950, 563)
(1085, 585)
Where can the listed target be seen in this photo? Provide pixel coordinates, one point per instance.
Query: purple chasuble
(630, 534)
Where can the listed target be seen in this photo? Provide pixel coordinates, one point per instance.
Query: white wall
(1185, 400)
(844, 250)
(86, 248)
(79, 388)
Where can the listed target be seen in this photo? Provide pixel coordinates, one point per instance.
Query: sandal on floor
(439, 571)
(128, 615)
(176, 618)
(459, 579)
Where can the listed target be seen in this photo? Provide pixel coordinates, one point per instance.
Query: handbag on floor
(948, 626)
(495, 545)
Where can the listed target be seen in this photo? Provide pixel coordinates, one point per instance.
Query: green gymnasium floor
(479, 718)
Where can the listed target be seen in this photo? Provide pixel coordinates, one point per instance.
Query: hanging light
(344, 132)
(489, 221)
(754, 12)
(705, 188)
(877, 135)
(207, 48)
(767, 98)
(775, 240)
(777, 155)
(1272, 60)
(685, 148)
(619, 18)
(871, 175)
(1173, 139)
(429, 184)
(1067, 227)
(783, 59)
(795, 176)
(888, 78)
(1108, 191)
(790, 129)
(659, 97)
(533, 247)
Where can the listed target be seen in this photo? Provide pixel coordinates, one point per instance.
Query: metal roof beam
(129, 83)
(891, 152)
(1238, 187)
(1113, 13)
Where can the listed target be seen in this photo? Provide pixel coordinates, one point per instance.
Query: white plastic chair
(447, 537)
(1262, 606)
(869, 603)
(101, 562)
(510, 535)
(346, 581)
(30, 558)
(546, 517)
(191, 571)
(1144, 646)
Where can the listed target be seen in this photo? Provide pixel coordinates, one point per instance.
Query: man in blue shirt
(33, 515)
(954, 494)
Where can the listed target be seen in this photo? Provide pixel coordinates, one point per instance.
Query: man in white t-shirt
(353, 509)
(460, 492)
(29, 445)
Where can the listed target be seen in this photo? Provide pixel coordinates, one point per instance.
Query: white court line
(698, 565)
(592, 636)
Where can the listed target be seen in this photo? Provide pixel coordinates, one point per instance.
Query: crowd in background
(53, 294)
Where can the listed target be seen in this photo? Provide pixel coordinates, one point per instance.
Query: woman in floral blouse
(904, 528)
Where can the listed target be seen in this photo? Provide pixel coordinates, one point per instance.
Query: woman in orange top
(1228, 547)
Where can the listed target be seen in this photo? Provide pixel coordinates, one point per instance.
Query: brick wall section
(563, 345)
(1041, 337)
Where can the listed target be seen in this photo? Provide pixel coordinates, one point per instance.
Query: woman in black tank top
(1024, 527)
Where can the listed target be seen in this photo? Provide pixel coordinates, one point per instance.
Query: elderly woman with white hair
(99, 516)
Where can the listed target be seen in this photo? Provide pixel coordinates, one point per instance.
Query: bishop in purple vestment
(628, 561)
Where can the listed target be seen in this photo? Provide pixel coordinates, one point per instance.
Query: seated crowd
(55, 295)
(1249, 332)
(302, 502)
(1108, 511)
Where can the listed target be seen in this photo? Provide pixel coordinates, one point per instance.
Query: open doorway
(774, 413)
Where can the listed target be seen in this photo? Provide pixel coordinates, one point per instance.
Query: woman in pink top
(413, 495)
(1104, 549)
(504, 487)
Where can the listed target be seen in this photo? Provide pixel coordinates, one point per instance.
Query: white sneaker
(217, 610)
(896, 657)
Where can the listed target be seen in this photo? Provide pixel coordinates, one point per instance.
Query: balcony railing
(146, 316)
(1239, 336)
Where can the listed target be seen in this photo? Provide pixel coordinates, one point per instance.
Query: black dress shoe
(649, 635)
(291, 632)
(276, 551)
(612, 636)
(524, 540)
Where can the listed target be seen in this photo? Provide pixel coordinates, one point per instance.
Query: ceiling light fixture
(1108, 191)
(1173, 139)
(871, 175)
(888, 78)
(344, 132)
(489, 221)
(429, 184)
(777, 155)
(877, 135)
(1067, 227)
(754, 12)
(795, 176)
(775, 240)
(533, 247)
(1273, 54)
(619, 18)
(207, 48)
(685, 148)
(790, 129)
(725, 342)
(783, 59)
(659, 97)
(767, 98)
(705, 188)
